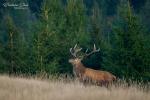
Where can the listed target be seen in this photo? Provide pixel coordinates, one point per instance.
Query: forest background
(35, 36)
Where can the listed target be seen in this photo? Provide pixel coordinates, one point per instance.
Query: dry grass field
(12, 88)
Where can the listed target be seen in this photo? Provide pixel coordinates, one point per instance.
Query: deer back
(100, 76)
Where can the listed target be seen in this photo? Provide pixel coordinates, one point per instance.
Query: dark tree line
(37, 39)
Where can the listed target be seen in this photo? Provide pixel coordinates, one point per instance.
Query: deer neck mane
(80, 67)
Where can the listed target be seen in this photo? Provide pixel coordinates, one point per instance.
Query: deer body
(90, 75)
(85, 74)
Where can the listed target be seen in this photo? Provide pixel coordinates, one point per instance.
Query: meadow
(17, 88)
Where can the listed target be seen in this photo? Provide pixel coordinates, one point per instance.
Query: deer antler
(94, 50)
(75, 50)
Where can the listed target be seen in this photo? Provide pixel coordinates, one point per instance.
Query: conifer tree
(130, 55)
(10, 52)
(95, 29)
(46, 39)
(144, 13)
(76, 22)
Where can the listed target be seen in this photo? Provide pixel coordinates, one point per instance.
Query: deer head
(78, 58)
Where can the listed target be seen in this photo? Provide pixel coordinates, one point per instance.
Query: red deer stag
(85, 74)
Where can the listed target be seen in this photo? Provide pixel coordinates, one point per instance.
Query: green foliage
(130, 55)
(145, 15)
(76, 22)
(46, 36)
(56, 28)
(10, 51)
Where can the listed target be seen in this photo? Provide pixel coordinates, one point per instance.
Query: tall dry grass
(13, 88)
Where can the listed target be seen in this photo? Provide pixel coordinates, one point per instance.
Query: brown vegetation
(31, 89)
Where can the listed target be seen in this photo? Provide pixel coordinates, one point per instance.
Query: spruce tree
(10, 52)
(76, 22)
(96, 37)
(130, 55)
(46, 38)
(144, 13)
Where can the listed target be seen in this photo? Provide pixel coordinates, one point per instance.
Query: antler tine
(86, 51)
(75, 50)
(72, 52)
(94, 50)
(94, 47)
(75, 46)
(98, 49)
(70, 49)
